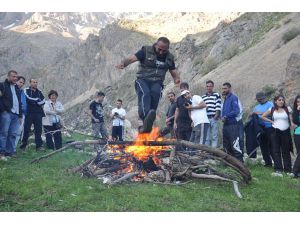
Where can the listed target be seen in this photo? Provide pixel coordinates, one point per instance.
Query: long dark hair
(276, 98)
(295, 113)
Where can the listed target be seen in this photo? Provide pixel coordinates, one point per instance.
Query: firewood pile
(157, 160)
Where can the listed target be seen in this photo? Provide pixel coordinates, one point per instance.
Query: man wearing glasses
(155, 61)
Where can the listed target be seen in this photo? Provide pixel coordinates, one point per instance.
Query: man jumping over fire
(155, 61)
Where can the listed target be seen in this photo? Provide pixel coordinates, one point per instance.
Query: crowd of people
(20, 109)
(191, 117)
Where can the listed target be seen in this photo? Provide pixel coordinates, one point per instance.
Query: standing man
(35, 112)
(97, 115)
(118, 116)
(170, 117)
(265, 138)
(230, 112)
(198, 114)
(155, 61)
(182, 121)
(20, 83)
(10, 114)
(213, 107)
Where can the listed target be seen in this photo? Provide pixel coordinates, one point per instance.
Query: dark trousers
(183, 133)
(281, 147)
(296, 167)
(241, 134)
(149, 93)
(36, 120)
(117, 133)
(168, 130)
(265, 145)
(53, 137)
(231, 140)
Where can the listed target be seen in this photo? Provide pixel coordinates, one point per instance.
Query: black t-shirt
(97, 111)
(171, 111)
(183, 119)
(141, 56)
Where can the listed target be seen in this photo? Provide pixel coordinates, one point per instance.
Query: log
(236, 164)
(209, 176)
(125, 177)
(101, 142)
(80, 167)
(216, 177)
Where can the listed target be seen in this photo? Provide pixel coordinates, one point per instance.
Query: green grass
(48, 187)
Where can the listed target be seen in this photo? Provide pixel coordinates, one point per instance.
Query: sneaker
(148, 122)
(291, 175)
(277, 174)
(2, 157)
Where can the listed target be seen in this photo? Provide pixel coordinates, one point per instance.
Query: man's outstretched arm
(176, 77)
(125, 62)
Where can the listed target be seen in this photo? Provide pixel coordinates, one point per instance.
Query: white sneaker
(277, 174)
(3, 158)
(291, 175)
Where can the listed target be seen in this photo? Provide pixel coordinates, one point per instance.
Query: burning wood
(155, 160)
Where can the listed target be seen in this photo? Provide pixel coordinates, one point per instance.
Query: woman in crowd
(296, 126)
(281, 141)
(52, 121)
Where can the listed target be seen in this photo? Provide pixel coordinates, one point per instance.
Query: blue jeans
(212, 138)
(8, 132)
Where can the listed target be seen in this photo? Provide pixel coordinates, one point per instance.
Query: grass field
(48, 187)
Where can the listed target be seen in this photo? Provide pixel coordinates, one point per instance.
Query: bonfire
(155, 159)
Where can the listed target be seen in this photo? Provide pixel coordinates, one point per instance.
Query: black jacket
(6, 98)
(252, 131)
(35, 101)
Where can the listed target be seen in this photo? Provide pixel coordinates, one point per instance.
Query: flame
(139, 151)
(142, 152)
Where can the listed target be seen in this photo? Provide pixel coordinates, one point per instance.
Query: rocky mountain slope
(250, 51)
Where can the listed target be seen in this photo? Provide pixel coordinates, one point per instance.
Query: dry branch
(125, 177)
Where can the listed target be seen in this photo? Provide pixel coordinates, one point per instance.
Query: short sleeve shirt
(97, 111)
(117, 121)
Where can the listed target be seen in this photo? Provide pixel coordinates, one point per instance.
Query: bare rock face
(292, 83)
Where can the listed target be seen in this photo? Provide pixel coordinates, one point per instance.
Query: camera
(186, 104)
(116, 114)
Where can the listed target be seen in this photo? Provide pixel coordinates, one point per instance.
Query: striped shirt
(213, 103)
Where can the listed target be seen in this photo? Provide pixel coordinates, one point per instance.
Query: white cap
(184, 92)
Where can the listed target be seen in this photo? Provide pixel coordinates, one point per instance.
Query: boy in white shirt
(118, 116)
(198, 114)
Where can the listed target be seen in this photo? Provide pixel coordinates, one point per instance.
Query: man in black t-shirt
(97, 115)
(170, 117)
(182, 122)
(155, 61)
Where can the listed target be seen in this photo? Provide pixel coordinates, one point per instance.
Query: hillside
(249, 50)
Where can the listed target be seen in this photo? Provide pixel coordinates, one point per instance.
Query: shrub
(209, 65)
(269, 91)
(231, 50)
(291, 34)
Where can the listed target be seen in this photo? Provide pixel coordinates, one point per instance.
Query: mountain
(250, 50)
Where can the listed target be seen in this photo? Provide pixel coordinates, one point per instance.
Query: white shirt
(117, 121)
(281, 120)
(198, 115)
